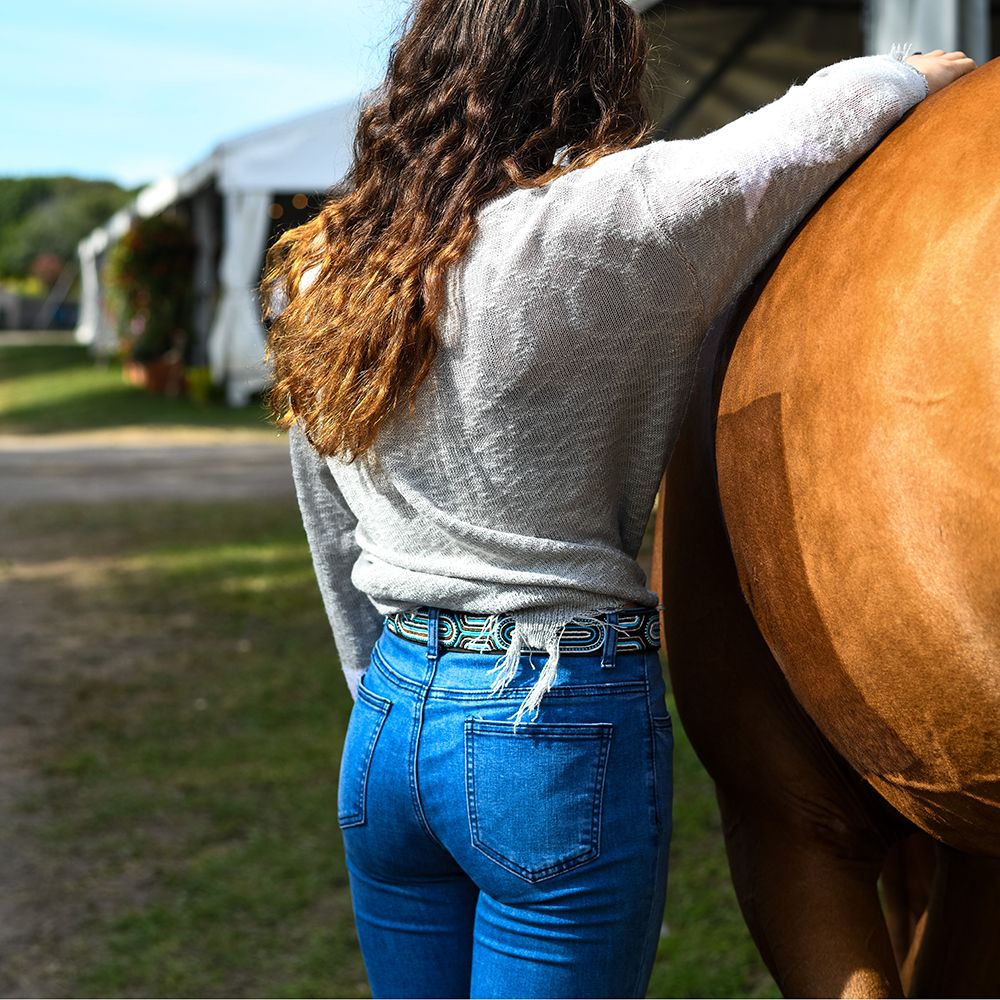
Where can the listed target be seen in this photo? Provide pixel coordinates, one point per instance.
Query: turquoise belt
(636, 630)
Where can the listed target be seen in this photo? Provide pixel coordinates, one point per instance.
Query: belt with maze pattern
(637, 630)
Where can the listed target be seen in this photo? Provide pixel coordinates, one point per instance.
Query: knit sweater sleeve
(728, 200)
(329, 525)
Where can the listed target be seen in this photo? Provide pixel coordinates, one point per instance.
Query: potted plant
(149, 276)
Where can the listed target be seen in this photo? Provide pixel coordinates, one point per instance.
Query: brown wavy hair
(479, 97)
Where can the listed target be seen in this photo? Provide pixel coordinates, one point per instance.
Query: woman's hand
(941, 68)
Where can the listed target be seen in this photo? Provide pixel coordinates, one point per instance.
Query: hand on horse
(941, 68)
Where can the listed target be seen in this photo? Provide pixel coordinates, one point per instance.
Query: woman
(485, 362)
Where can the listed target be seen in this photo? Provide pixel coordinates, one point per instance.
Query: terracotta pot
(160, 376)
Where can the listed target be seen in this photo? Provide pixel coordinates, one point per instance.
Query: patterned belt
(637, 630)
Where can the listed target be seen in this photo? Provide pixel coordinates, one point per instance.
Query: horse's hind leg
(906, 888)
(959, 953)
(810, 900)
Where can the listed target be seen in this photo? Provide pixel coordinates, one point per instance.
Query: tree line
(43, 218)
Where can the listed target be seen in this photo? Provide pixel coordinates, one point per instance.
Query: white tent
(306, 154)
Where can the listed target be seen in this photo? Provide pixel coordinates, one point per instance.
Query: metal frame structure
(704, 62)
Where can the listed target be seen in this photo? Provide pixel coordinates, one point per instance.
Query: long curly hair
(480, 96)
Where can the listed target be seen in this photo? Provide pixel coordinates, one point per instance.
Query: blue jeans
(486, 861)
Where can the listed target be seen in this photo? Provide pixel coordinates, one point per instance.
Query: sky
(132, 90)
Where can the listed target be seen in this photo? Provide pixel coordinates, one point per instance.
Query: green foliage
(150, 277)
(19, 195)
(51, 215)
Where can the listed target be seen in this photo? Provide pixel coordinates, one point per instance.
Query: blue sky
(134, 89)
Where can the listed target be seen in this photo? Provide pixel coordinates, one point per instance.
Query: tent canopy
(308, 153)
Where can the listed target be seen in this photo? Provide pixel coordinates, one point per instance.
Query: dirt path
(140, 463)
(41, 904)
(37, 897)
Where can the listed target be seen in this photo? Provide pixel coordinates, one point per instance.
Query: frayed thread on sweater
(900, 51)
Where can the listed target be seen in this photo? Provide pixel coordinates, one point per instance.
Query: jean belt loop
(433, 637)
(610, 640)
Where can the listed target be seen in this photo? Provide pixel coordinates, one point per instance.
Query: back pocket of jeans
(535, 795)
(367, 718)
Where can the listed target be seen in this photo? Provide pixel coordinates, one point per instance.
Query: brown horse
(829, 543)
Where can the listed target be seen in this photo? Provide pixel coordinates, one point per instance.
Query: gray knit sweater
(525, 478)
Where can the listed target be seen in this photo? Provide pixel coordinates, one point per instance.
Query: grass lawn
(192, 775)
(59, 387)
